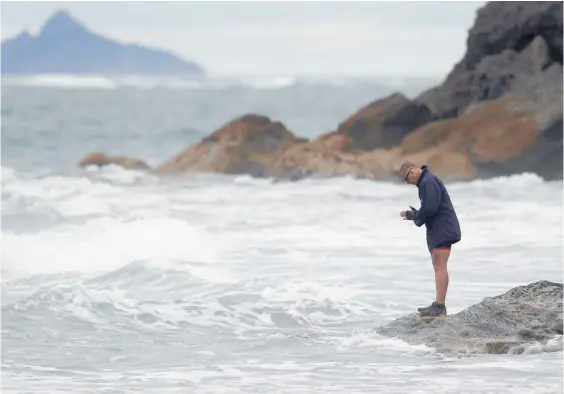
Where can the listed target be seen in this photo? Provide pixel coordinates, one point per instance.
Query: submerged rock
(524, 319)
(101, 159)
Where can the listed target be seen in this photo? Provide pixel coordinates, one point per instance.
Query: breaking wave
(102, 82)
(261, 278)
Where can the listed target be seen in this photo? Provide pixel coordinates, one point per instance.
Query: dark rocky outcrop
(513, 25)
(384, 123)
(525, 318)
(510, 42)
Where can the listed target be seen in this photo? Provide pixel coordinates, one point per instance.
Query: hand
(411, 214)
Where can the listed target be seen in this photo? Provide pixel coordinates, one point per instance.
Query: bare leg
(440, 259)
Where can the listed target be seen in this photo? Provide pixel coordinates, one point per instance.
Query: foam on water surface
(240, 269)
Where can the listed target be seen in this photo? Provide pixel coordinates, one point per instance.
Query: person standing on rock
(443, 228)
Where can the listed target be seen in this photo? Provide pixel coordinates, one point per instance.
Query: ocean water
(118, 281)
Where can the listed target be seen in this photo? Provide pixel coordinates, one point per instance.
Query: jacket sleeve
(430, 201)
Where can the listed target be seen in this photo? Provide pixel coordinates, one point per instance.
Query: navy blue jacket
(436, 212)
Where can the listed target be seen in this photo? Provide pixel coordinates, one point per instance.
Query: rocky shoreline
(498, 112)
(525, 319)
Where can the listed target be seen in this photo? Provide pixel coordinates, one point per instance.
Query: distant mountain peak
(61, 22)
(66, 46)
(24, 35)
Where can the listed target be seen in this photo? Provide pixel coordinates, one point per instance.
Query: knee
(439, 264)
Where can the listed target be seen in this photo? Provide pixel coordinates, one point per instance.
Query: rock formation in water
(498, 112)
(101, 159)
(64, 46)
(524, 319)
(509, 48)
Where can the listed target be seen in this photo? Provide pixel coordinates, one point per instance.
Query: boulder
(336, 141)
(448, 163)
(509, 71)
(518, 132)
(320, 160)
(384, 122)
(101, 159)
(246, 145)
(525, 318)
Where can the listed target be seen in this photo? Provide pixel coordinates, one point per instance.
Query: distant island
(65, 46)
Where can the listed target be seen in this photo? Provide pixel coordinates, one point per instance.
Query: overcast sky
(320, 38)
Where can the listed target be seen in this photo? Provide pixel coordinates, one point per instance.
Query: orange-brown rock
(450, 165)
(335, 140)
(515, 133)
(384, 122)
(246, 145)
(381, 164)
(488, 131)
(101, 159)
(314, 158)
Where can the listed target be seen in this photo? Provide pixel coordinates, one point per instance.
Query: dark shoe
(423, 308)
(435, 310)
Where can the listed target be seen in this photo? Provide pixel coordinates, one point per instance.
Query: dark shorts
(444, 245)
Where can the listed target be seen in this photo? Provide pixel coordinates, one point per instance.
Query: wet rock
(101, 159)
(312, 158)
(518, 132)
(384, 122)
(523, 317)
(246, 145)
(336, 141)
